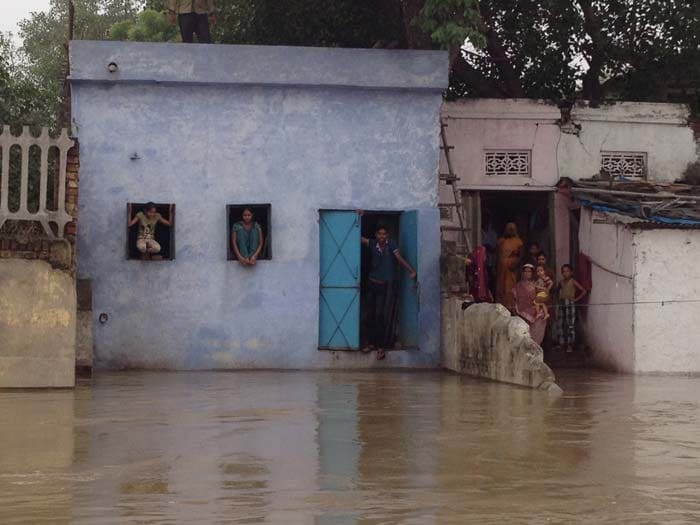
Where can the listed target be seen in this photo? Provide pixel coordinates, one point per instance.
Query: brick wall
(28, 241)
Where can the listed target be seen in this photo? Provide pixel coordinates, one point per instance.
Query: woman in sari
(524, 300)
(509, 251)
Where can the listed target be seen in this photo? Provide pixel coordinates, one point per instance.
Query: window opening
(624, 164)
(507, 163)
(149, 236)
(262, 215)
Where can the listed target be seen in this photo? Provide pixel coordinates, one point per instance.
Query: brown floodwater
(351, 448)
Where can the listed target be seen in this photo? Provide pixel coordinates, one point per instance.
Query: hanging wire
(663, 302)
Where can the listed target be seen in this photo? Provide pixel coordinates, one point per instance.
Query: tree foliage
(645, 49)
(148, 26)
(44, 36)
(20, 96)
(625, 49)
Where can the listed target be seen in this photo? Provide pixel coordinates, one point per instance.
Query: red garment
(477, 276)
(584, 277)
(583, 272)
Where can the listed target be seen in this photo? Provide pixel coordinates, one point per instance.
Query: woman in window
(247, 239)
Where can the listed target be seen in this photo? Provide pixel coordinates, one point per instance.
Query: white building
(510, 155)
(645, 299)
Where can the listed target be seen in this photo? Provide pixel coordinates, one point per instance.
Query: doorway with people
(516, 237)
(369, 287)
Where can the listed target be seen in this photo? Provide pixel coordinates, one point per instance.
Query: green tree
(551, 48)
(44, 36)
(627, 49)
(21, 101)
(149, 26)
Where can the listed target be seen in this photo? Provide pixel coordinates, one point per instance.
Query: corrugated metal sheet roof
(648, 205)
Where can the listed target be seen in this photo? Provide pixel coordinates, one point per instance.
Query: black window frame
(132, 254)
(262, 215)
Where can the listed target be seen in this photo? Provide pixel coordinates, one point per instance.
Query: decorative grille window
(507, 162)
(446, 213)
(624, 164)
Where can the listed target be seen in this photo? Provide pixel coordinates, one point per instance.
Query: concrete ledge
(486, 341)
(37, 325)
(37, 372)
(258, 65)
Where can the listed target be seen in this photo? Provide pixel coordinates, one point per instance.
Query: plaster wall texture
(667, 335)
(205, 139)
(661, 130)
(486, 341)
(84, 340)
(609, 329)
(655, 334)
(37, 325)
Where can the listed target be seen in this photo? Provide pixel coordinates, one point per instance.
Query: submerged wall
(667, 293)
(609, 325)
(206, 126)
(37, 325)
(643, 312)
(486, 341)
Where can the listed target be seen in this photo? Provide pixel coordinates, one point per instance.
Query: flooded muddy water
(351, 448)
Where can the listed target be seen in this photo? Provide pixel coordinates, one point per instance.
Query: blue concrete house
(306, 135)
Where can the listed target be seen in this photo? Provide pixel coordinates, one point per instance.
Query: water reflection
(350, 448)
(36, 456)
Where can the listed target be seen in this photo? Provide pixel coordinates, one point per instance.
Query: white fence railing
(43, 215)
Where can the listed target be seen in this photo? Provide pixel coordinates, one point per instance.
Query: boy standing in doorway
(193, 18)
(384, 254)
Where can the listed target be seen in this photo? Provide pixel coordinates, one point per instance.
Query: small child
(570, 292)
(148, 219)
(543, 285)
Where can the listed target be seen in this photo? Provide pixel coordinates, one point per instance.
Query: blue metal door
(409, 304)
(339, 311)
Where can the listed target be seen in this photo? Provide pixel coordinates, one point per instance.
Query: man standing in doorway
(193, 18)
(384, 254)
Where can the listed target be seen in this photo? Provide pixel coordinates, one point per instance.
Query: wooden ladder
(451, 178)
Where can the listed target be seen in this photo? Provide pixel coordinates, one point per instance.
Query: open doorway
(529, 210)
(371, 222)
(345, 265)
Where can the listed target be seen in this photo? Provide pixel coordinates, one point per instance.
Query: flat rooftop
(138, 62)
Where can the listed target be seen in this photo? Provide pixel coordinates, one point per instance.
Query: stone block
(453, 273)
(60, 254)
(486, 341)
(37, 325)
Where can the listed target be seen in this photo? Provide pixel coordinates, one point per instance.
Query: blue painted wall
(302, 129)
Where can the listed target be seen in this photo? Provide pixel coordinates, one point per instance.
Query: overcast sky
(12, 11)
